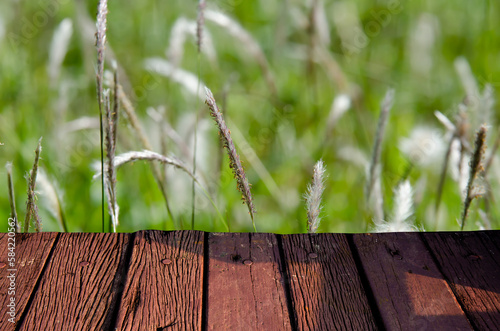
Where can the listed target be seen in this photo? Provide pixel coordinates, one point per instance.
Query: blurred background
(298, 81)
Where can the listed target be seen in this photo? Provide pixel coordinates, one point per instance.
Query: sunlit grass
(287, 132)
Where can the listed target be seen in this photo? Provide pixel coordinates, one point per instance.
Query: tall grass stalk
(12, 197)
(110, 176)
(375, 168)
(234, 159)
(181, 29)
(31, 207)
(150, 156)
(200, 22)
(102, 12)
(475, 166)
(199, 40)
(313, 197)
(131, 116)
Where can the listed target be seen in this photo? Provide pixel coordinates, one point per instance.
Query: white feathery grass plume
(59, 48)
(244, 37)
(313, 197)
(12, 196)
(402, 211)
(341, 104)
(51, 197)
(100, 42)
(185, 78)
(385, 107)
(403, 203)
(102, 12)
(180, 30)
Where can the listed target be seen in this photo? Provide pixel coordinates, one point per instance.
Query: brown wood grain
(163, 290)
(31, 252)
(78, 288)
(410, 291)
(325, 287)
(471, 263)
(245, 286)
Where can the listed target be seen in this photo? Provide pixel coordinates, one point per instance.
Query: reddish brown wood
(164, 282)
(326, 289)
(471, 263)
(31, 252)
(245, 286)
(410, 291)
(78, 288)
(100, 282)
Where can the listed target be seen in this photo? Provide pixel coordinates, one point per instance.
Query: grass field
(297, 82)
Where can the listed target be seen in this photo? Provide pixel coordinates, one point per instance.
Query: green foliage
(286, 134)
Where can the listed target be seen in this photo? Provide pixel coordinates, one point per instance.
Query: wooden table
(191, 280)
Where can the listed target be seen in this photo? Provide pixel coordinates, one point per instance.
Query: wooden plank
(410, 291)
(470, 261)
(31, 253)
(164, 284)
(245, 285)
(78, 289)
(326, 291)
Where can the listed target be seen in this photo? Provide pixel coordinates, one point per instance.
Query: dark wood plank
(164, 282)
(78, 288)
(245, 286)
(410, 291)
(325, 287)
(470, 261)
(31, 252)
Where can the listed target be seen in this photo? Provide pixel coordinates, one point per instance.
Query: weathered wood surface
(190, 280)
(245, 285)
(325, 287)
(31, 253)
(410, 291)
(164, 286)
(471, 263)
(78, 289)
